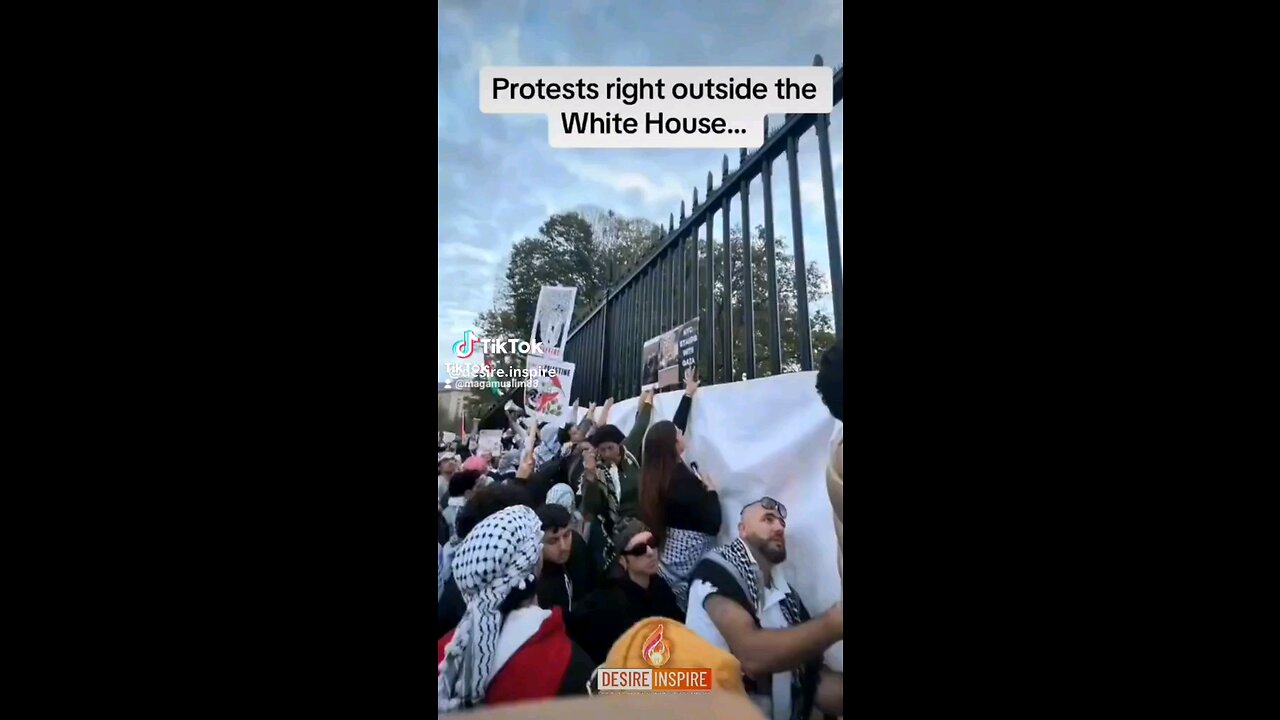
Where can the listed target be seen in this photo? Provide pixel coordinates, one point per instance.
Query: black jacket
(580, 572)
(609, 612)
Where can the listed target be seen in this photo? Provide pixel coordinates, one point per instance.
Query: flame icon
(656, 652)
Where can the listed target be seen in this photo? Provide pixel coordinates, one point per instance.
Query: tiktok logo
(466, 346)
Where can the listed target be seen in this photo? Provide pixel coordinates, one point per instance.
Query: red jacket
(538, 668)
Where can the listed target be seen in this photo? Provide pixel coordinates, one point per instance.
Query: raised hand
(589, 464)
(690, 380)
(646, 398)
(608, 405)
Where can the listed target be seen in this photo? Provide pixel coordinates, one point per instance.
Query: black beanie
(607, 433)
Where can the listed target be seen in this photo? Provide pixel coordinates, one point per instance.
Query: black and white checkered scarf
(496, 557)
(611, 479)
(680, 553)
(737, 554)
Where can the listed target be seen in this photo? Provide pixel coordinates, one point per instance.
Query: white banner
(771, 436)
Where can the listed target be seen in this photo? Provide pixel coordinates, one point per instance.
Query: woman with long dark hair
(678, 503)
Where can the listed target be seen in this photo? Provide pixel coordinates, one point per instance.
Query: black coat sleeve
(691, 505)
(596, 623)
(578, 674)
(450, 610)
(542, 480)
(682, 413)
(582, 568)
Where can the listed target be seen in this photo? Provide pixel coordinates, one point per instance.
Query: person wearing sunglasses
(740, 601)
(634, 591)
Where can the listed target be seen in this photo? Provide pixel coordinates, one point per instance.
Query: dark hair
(487, 501)
(463, 482)
(831, 380)
(658, 461)
(553, 516)
(562, 436)
(607, 433)
(517, 597)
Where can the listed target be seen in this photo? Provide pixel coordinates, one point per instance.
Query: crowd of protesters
(552, 551)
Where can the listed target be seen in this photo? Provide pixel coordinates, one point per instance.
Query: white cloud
(667, 190)
(469, 252)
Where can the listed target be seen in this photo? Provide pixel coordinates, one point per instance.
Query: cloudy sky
(498, 177)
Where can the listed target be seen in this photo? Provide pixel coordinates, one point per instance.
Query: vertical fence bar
(728, 281)
(748, 286)
(802, 285)
(625, 382)
(775, 334)
(678, 262)
(681, 275)
(694, 277)
(709, 339)
(833, 229)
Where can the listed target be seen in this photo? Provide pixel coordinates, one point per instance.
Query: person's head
(636, 548)
(478, 463)
(763, 527)
(510, 462)
(831, 380)
(562, 495)
(608, 444)
(548, 444)
(496, 568)
(447, 466)
(486, 501)
(462, 483)
(557, 537)
(660, 454)
(576, 435)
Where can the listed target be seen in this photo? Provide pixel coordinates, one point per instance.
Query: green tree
(596, 250)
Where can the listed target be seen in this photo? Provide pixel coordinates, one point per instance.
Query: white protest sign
(547, 395)
(552, 319)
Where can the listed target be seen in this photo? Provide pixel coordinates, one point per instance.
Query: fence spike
(817, 61)
(766, 128)
(724, 169)
(671, 222)
(681, 211)
(742, 157)
(695, 199)
(709, 184)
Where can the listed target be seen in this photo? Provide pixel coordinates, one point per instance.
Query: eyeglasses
(769, 504)
(641, 549)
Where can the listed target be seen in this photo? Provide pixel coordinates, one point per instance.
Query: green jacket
(594, 501)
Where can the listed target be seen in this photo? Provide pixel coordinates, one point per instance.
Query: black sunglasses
(769, 504)
(641, 549)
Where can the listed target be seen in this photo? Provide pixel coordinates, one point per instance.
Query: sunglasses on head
(641, 549)
(769, 504)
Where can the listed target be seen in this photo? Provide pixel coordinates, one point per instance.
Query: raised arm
(686, 403)
(763, 652)
(635, 438)
(588, 422)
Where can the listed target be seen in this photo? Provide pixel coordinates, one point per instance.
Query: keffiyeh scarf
(610, 522)
(680, 552)
(549, 447)
(496, 557)
(737, 555)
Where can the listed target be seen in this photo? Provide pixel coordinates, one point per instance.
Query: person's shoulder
(578, 674)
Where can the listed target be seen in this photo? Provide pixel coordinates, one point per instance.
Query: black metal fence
(677, 282)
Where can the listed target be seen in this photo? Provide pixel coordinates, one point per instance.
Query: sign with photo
(663, 358)
(552, 318)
